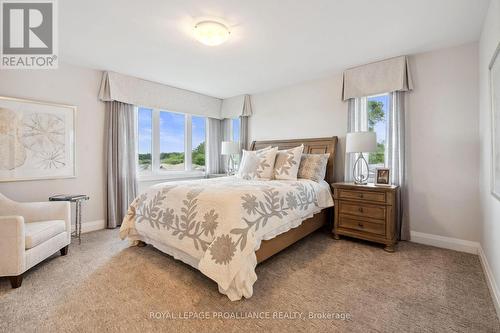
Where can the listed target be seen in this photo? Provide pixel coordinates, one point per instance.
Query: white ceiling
(273, 43)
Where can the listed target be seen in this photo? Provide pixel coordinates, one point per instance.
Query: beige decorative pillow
(313, 166)
(287, 163)
(258, 164)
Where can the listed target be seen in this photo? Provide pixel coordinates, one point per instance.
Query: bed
(225, 226)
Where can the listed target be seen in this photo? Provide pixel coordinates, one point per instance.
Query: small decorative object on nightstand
(367, 212)
(383, 177)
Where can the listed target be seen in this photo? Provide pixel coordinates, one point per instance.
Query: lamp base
(360, 179)
(230, 171)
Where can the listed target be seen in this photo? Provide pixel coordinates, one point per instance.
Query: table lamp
(230, 148)
(360, 142)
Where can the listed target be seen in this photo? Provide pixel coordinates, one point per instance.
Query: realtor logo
(28, 34)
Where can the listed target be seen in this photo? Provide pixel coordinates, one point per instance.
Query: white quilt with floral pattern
(220, 222)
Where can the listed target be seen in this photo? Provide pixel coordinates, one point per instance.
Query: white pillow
(287, 163)
(257, 164)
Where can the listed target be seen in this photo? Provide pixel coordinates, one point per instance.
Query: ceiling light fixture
(211, 32)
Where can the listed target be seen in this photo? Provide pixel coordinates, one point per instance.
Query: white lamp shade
(361, 142)
(230, 147)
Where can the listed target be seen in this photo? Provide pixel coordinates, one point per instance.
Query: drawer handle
(361, 196)
(360, 224)
(360, 209)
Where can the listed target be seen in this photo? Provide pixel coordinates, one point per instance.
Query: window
(170, 144)
(198, 142)
(235, 129)
(235, 136)
(144, 139)
(172, 128)
(371, 115)
(376, 108)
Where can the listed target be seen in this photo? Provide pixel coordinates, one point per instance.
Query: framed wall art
(37, 140)
(495, 120)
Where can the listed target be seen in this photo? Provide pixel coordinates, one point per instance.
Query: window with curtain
(170, 144)
(385, 115)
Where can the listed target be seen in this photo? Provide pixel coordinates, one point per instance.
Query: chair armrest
(12, 244)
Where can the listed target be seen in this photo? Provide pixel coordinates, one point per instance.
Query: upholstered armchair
(30, 233)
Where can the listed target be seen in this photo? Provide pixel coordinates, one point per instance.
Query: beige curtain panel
(120, 161)
(244, 133)
(214, 140)
(376, 78)
(247, 107)
(131, 90)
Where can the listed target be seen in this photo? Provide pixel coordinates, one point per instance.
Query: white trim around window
(156, 173)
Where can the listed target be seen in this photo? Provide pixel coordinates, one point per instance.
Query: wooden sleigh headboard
(311, 146)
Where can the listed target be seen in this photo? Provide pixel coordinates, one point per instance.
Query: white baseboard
(463, 246)
(91, 226)
(445, 242)
(490, 281)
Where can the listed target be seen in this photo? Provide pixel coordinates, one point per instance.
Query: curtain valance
(237, 106)
(376, 78)
(131, 90)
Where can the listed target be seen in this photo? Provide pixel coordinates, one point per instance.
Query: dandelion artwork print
(37, 140)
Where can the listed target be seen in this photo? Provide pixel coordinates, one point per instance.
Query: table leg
(76, 219)
(79, 203)
(75, 232)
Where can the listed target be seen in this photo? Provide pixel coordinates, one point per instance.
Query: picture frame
(37, 140)
(494, 76)
(383, 177)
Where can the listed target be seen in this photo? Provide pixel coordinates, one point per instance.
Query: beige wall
(442, 130)
(490, 238)
(443, 156)
(308, 110)
(67, 85)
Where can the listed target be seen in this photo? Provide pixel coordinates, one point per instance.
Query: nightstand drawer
(361, 209)
(360, 225)
(362, 195)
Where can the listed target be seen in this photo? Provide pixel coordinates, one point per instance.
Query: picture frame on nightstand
(383, 177)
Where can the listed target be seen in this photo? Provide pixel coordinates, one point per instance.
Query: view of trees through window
(162, 143)
(198, 142)
(172, 126)
(377, 107)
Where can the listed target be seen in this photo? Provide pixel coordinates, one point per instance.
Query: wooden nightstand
(367, 212)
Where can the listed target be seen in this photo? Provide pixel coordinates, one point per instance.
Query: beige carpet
(104, 285)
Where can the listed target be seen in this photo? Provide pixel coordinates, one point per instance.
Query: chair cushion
(38, 232)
